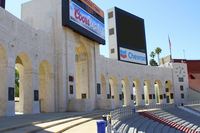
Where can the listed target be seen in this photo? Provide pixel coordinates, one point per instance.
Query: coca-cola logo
(80, 17)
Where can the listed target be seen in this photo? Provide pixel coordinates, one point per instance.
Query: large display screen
(2, 3)
(130, 37)
(81, 17)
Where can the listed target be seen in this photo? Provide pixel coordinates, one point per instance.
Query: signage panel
(131, 38)
(85, 20)
(132, 56)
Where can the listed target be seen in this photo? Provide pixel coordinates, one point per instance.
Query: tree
(153, 54)
(153, 62)
(16, 83)
(158, 50)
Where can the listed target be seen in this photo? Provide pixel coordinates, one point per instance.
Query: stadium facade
(61, 69)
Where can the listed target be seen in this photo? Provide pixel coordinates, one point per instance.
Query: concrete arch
(113, 91)
(136, 92)
(158, 91)
(46, 87)
(82, 72)
(24, 65)
(103, 86)
(147, 85)
(169, 92)
(126, 94)
(3, 81)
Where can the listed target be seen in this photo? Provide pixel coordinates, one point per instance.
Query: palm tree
(158, 50)
(152, 62)
(153, 54)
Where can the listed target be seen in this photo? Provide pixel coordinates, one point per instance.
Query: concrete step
(165, 129)
(152, 127)
(158, 129)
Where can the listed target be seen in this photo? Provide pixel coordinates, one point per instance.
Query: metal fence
(154, 106)
(120, 114)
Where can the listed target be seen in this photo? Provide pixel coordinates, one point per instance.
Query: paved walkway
(88, 127)
(20, 120)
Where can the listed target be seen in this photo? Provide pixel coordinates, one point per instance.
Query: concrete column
(71, 63)
(141, 89)
(151, 91)
(28, 92)
(35, 84)
(131, 103)
(10, 109)
(61, 82)
(92, 79)
(119, 92)
(164, 101)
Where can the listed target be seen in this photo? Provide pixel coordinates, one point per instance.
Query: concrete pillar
(92, 79)
(10, 109)
(71, 63)
(119, 92)
(28, 91)
(151, 91)
(142, 101)
(164, 101)
(36, 92)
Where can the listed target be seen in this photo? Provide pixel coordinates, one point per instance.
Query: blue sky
(180, 19)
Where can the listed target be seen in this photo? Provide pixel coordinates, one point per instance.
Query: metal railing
(154, 106)
(120, 114)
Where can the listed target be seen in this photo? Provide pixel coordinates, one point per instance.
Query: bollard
(104, 117)
(101, 126)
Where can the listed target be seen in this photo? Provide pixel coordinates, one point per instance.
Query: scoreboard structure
(127, 37)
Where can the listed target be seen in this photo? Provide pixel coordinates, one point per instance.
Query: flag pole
(170, 49)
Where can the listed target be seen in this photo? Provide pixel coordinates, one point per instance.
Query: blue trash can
(101, 126)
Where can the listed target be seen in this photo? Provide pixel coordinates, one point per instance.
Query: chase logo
(123, 53)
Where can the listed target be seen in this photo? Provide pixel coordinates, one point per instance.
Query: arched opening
(82, 73)
(135, 87)
(146, 92)
(24, 91)
(169, 93)
(113, 91)
(3, 81)
(158, 91)
(126, 95)
(46, 92)
(103, 86)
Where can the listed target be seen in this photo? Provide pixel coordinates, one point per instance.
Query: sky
(180, 19)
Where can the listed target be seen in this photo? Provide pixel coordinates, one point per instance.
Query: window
(71, 89)
(150, 96)
(180, 79)
(36, 95)
(132, 97)
(143, 96)
(161, 97)
(108, 96)
(182, 95)
(110, 14)
(181, 88)
(164, 95)
(98, 88)
(154, 96)
(120, 97)
(166, 89)
(111, 31)
(71, 78)
(84, 96)
(112, 50)
(172, 96)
